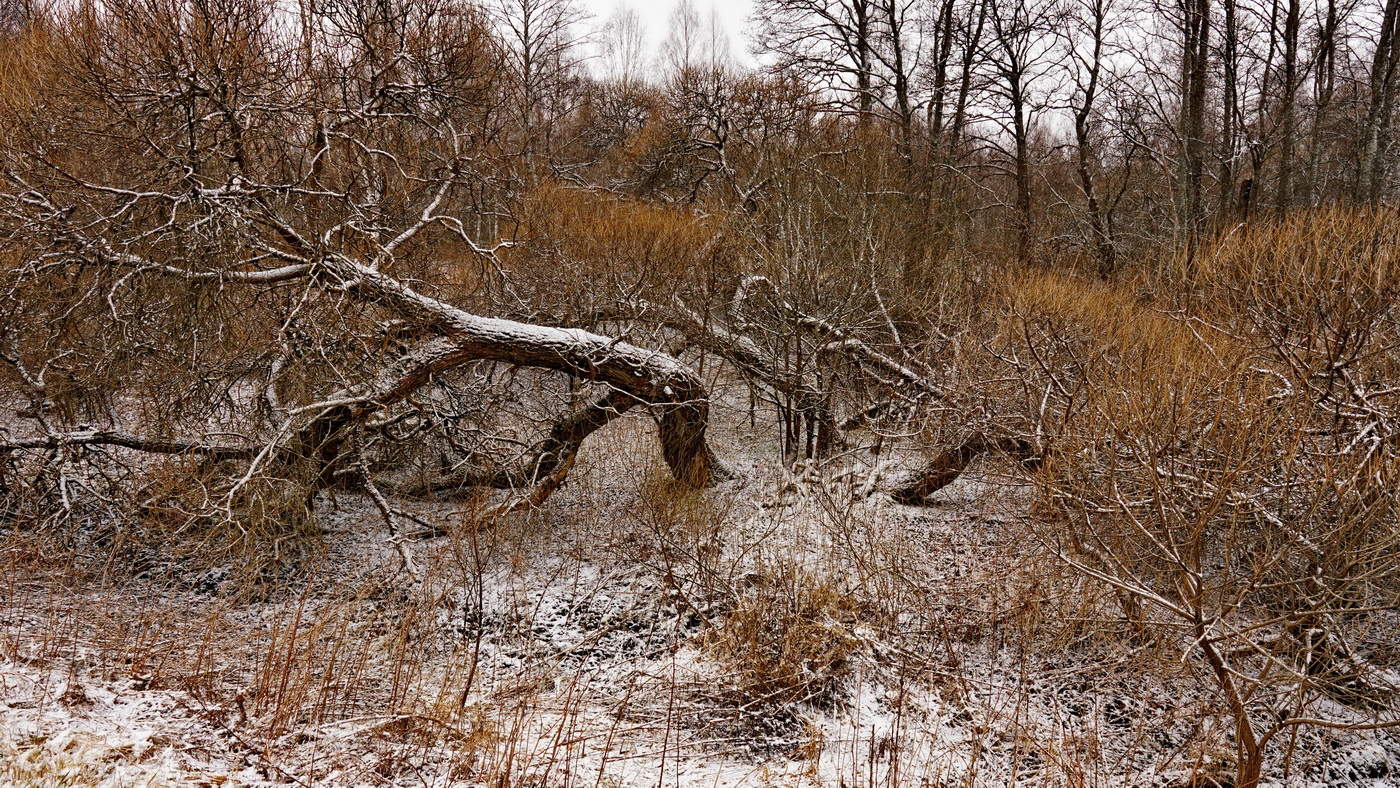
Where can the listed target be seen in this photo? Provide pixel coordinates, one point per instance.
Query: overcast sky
(655, 13)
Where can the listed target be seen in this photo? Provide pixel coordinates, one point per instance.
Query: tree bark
(945, 468)
(647, 376)
(1195, 52)
(1375, 140)
(1085, 154)
(1230, 113)
(127, 440)
(1325, 77)
(550, 457)
(1288, 119)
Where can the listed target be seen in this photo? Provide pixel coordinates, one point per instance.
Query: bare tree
(1230, 114)
(1288, 112)
(898, 51)
(694, 42)
(335, 198)
(970, 34)
(831, 42)
(1022, 58)
(16, 15)
(623, 41)
(543, 40)
(1194, 18)
(1324, 88)
(1088, 30)
(1383, 82)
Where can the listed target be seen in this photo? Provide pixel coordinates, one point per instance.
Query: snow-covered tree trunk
(648, 376)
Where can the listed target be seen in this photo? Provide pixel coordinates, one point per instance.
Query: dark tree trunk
(1288, 114)
(1194, 68)
(1375, 141)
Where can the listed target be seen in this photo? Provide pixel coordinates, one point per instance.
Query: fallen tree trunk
(745, 354)
(645, 376)
(127, 440)
(944, 469)
(637, 377)
(547, 462)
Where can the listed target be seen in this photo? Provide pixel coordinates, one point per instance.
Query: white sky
(656, 13)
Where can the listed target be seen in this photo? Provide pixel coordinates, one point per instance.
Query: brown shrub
(789, 641)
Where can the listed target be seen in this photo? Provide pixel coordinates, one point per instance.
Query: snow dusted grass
(775, 631)
(65, 727)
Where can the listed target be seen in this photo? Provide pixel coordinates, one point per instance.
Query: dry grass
(596, 256)
(777, 625)
(77, 760)
(788, 641)
(1188, 575)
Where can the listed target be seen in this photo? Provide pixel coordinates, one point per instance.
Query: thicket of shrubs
(230, 249)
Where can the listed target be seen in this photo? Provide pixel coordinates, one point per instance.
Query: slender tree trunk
(1375, 141)
(1325, 85)
(904, 106)
(1288, 119)
(974, 39)
(1194, 68)
(1257, 145)
(1085, 155)
(1024, 205)
(1249, 764)
(1230, 111)
(864, 61)
(942, 53)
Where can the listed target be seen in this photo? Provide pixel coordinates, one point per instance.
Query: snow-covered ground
(778, 630)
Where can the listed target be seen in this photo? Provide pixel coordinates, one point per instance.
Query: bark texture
(945, 468)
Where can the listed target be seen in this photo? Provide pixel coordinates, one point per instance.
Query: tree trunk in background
(896, 63)
(1375, 134)
(943, 50)
(1024, 207)
(1085, 144)
(1288, 115)
(1195, 63)
(1325, 85)
(1257, 144)
(970, 48)
(1230, 111)
(1014, 55)
(865, 66)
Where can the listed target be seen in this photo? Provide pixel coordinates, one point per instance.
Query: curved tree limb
(945, 468)
(646, 376)
(551, 457)
(745, 354)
